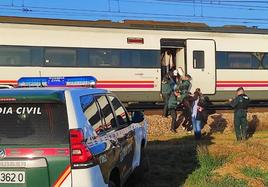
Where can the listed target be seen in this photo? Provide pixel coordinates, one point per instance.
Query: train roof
(135, 24)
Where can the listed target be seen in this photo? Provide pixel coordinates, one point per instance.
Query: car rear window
(35, 123)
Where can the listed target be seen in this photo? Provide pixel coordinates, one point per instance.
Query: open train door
(201, 64)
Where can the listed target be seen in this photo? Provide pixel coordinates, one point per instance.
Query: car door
(126, 134)
(115, 136)
(104, 149)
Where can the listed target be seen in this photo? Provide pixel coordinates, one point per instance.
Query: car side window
(92, 113)
(106, 112)
(120, 112)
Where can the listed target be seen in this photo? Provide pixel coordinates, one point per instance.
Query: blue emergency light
(75, 81)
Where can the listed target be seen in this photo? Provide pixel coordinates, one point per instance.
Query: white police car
(59, 135)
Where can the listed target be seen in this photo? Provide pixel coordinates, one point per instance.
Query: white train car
(126, 57)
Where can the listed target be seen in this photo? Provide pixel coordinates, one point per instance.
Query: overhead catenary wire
(59, 10)
(50, 11)
(203, 3)
(50, 14)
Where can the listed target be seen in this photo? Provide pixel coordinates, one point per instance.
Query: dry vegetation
(216, 160)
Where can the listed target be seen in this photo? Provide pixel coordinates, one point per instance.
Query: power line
(203, 3)
(50, 11)
(148, 15)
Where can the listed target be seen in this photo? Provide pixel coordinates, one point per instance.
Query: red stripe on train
(9, 81)
(241, 85)
(242, 82)
(119, 81)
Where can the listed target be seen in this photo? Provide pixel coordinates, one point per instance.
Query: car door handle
(115, 143)
(129, 135)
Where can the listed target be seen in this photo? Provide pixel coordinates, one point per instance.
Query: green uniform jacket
(166, 87)
(184, 88)
(172, 102)
(240, 103)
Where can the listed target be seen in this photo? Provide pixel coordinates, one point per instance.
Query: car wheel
(144, 161)
(143, 168)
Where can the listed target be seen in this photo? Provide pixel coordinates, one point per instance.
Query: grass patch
(228, 181)
(207, 163)
(256, 173)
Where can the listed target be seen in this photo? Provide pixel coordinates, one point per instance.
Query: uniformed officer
(240, 104)
(185, 86)
(167, 84)
(172, 106)
(185, 100)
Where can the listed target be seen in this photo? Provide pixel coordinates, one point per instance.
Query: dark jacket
(240, 102)
(201, 115)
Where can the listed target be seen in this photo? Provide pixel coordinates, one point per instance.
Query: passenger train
(126, 56)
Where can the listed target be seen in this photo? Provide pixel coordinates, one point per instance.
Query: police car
(55, 133)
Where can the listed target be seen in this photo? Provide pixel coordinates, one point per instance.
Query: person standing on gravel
(185, 100)
(240, 104)
(167, 84)
(198, 114)
(172, 106)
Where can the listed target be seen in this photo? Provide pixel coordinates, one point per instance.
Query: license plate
(13, 177)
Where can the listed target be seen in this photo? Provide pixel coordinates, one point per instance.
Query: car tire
(144, 166)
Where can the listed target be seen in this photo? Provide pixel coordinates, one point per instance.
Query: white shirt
(167, 60)
(195, 108)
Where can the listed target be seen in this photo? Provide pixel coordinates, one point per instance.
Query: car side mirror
(137, 117)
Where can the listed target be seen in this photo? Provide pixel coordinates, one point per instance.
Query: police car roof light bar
(71, 81)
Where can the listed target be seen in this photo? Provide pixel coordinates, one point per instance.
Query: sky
(212, 12)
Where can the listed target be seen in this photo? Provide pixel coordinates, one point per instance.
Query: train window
(149, 58)
(15, 56)
(104, 57)
(128, 58)
(60, 57)
(221, 60)
(199, 59)
(236, 60)
(265, 61)
(37, 56)
(82, 57)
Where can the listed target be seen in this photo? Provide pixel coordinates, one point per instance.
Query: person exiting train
(240, 104)
(167, 85)
(172, 106)
(185, 86)
(166, 62)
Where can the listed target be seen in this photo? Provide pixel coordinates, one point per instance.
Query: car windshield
(34, 123)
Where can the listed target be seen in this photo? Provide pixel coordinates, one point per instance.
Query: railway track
(156, 109)
(251, 110)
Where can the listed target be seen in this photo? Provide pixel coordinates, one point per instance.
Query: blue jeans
(196, 127)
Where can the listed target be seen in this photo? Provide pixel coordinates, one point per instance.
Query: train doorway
(192, 56)
(172, 56)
